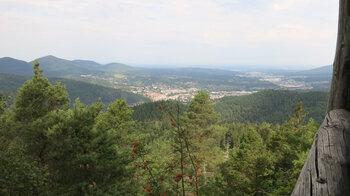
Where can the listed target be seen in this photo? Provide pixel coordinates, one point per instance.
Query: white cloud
(167, 31)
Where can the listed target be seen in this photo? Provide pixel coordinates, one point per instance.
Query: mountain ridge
(45, 61)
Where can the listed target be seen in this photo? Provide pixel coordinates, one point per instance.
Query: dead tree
(327, 169)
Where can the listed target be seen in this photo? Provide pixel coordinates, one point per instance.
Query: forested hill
(273, 106)
(150, 111)
(57, 67)
(88, 93)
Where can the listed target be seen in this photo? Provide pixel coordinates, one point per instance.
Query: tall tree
(17, 173)
(202, 135)
(249, 168)
(34, 108)
(37, 97)
(82, 159)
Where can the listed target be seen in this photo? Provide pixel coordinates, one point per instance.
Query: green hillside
(273, 106)
(57, 67)
(13, 66)
(50, 148)
(88, 93)
(150, 111)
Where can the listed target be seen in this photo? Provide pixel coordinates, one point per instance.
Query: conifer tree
(17, 174)
(2, 104)
(200, 112)
(37, 97)
(202, 135)
(290, 145)
(33, 114)
(249, 168)
(117, 120)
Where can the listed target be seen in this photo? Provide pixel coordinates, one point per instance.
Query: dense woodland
(272, 106)
(88, 93)
(50, 148)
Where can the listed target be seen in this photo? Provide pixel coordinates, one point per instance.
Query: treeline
(87, 92)
(49, 148)
(273, 106)
(149, 111)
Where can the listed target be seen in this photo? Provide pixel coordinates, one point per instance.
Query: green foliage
(48, 148)
(265, 158)
(203, 133)
(89, 157)
(272, 106)
(87, 92)
(2, 104)
(117, 122)
(37, 97)
(18, 174)
(291, 145)
(201, 111)
(150, 112)
(249, 169)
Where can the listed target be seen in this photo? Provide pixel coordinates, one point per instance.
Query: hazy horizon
(295, 34)
(233, 67)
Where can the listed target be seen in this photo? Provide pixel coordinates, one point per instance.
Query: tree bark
(327, 168)
(339, 96)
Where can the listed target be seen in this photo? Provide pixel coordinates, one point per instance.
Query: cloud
(166, 31)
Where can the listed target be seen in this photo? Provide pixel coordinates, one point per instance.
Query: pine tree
(86, 159)
(17, 173)
(117, 120)
(202, 135)
(290, 145)
(2, 104)
(200, 112)
(37, 97)
(249, 168)
(33, 114)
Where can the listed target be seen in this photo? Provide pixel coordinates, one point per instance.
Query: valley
(172, 83)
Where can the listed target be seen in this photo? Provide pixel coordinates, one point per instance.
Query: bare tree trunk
(339, 97)
(327, 169)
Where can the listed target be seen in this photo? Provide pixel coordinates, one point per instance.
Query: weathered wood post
(327, 169)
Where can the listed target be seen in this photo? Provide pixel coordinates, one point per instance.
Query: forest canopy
(50, 148)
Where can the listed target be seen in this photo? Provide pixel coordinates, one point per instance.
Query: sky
(286, 33)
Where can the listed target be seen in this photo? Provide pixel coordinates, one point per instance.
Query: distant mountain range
(320, 70)
(90, 80)
(57, 67)
(13, 66)
(161, 82)
(320, 73)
